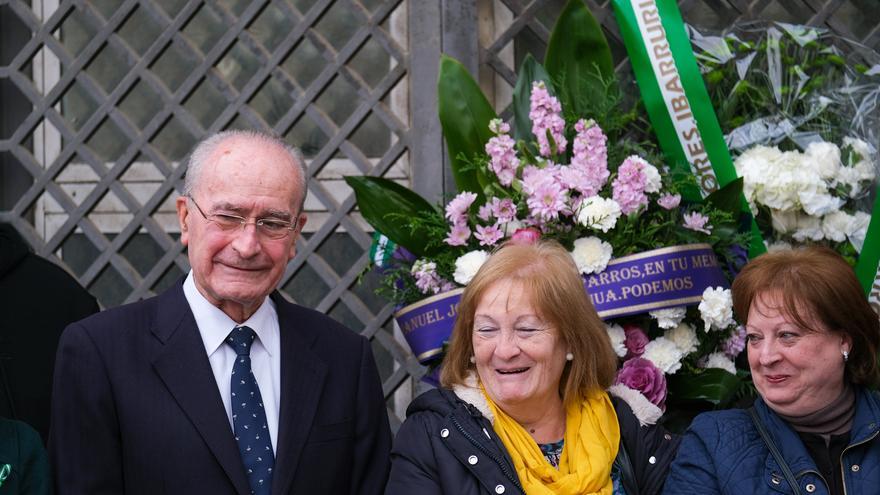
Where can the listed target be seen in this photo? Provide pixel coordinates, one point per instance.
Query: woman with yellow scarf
(525, 404)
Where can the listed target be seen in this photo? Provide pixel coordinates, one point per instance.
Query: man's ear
(182, 218)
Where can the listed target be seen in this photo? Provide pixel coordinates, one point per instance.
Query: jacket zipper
(843, 471)
(485, 451)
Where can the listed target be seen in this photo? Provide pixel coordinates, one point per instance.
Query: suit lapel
(302, 381)
(183, 366)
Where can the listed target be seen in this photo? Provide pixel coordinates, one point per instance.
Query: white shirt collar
(215, 325)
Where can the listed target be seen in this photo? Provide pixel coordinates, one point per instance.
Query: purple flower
(697, 222)
(545, 116)
(488, 236)
(669, 201)
(635, 340)
(459, 235)
(640, 374)
(735, 343)
(526, 236)
(456, 210)
(427, 279)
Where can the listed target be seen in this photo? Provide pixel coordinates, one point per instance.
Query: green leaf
(578, 57)
(529, 72)
(464, 115)
(377, 197)
(729, 198)
(712, 385)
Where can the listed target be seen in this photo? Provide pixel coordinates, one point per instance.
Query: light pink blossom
(698, 222)
(458, 235)
(488, 236)
(589, 161)
(545, 116)
(502, 158)
(669, 201)
(628, 188)
(456, 210)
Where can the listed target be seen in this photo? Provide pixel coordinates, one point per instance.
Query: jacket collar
(866, 424)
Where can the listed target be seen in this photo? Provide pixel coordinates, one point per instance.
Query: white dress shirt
(214, 326)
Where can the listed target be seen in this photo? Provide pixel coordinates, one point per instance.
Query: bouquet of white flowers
(798, 107)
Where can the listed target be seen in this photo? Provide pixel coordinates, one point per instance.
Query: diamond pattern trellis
(103, 99)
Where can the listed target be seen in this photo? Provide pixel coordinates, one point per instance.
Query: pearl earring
(569, 356)
(845, 355)
(473, 360)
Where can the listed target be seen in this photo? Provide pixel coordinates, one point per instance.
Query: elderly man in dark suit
(212, 387)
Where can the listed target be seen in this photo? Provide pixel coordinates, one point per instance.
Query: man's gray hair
(205, 148)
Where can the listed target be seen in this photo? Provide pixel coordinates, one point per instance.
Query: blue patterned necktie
(249, 416)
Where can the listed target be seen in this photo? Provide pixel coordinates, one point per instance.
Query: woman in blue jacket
(812, 341)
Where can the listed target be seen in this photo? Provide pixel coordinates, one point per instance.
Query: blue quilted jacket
(723, 453)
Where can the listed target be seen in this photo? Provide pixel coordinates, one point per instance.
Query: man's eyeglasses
(270, 228)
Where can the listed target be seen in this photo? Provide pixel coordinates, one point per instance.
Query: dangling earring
(845, 355)
(569, 356)
(473, 360)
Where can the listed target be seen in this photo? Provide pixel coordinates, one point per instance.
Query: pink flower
(503, 209)
(547, 202)
(459, 235)
(526, 236)
(669, 201)
(697, 222)
(545, 115)
(641, 374)
(427, 279)
(628, 188)
(635, 340)
(488, 236)
(502, 158)
(456, 210)
(589, 163)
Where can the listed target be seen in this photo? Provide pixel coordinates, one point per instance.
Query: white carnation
(617, 336)
(784, 222)
(591, 254)
(653, 182)
(716, 308)
(467, 265)
(669, 317)
(824, 158)
(816, 201)
(599, 213)
(684, 337)
(837, 226)
(665, 355)
(720, 360)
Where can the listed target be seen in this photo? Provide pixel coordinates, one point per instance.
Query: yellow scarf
(592, 437)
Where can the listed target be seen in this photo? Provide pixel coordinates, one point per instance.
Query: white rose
(837, 226)
(669, 317)
(825, 158)
(784, 222)
(599, 213)
(467, 265)
(617, 336)
(591, 254)
(684, 337)
(653, 182)
(720, 360)
(716, 308)
(665, 355)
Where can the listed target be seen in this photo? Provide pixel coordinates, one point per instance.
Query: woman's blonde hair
(552, 282)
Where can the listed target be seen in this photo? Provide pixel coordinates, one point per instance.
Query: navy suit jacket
(136, 409)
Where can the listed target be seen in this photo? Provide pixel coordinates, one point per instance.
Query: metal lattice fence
(103, 99)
